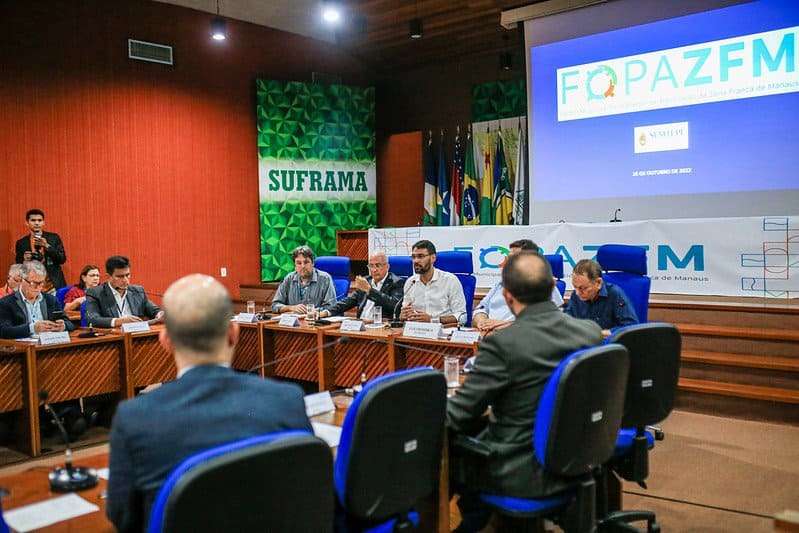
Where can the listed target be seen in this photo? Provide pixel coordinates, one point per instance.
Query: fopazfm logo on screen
(759, 64)
(660, 137)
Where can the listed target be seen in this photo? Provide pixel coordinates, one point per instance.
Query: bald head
(197, 312)
(527, 276)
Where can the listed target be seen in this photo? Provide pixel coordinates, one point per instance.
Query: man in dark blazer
(43, 246)
(510, 372)
(28, 311)
(380, 289)
(116, 302)
(208, 405)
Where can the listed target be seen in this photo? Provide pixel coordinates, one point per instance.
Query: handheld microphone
(340, 340)
(395, 319)
(67, 478)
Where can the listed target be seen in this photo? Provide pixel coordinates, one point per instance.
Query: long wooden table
(125, 363)
(32, 486)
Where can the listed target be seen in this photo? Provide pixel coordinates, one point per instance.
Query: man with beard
(431, 293)
(306, 285)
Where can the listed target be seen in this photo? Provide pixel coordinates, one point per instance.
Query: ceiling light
(218, 29)
(506, 61)
(415, 28)
(331, 14)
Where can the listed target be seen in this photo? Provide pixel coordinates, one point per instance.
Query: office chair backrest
(276, 482)
(579, 413)
(556, 263)
(83, 322)
(460, 264)
(654, 370)
(339, 269)
(400, 265)
(61, 293)
(625, 266)
(390, 448)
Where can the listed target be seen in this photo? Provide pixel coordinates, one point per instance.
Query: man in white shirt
(432, 293)
(493, 313)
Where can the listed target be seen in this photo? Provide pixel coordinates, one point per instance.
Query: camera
(37, 256)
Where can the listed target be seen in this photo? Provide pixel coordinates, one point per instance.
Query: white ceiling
(295, 16)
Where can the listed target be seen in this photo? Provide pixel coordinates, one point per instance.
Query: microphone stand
(616, 216)
(395, 319)
(68, 478)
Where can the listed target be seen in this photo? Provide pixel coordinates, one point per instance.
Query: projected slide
(704, 103)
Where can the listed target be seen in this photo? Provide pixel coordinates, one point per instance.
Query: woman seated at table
(74, 298)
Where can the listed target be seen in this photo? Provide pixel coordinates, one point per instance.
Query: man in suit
(28, 311)
(510, 372)
(117, 302)
(380, 289)
(208, 405)
(43, 246)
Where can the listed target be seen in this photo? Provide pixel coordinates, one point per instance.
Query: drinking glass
(310, 313)
(377, 315)
(251, 306)
(451, 372)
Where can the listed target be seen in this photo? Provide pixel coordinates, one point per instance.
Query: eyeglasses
(419, 256)
(372, 266)
(34, 283)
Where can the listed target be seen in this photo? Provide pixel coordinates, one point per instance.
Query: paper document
(42, 514)
(327, 432)
(336, 318)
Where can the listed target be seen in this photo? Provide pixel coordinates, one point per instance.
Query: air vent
(144, 51)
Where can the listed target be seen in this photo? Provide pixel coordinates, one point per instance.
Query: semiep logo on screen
(759, 64)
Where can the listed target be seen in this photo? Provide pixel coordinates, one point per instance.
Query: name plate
(352, 325)
(289, 321)
(466, 337)
(422, 330)
(53, 337)
(316, 404)
(135, 327)
(246, 318)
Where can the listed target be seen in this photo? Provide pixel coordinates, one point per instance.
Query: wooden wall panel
(400, 181)
(155, 162)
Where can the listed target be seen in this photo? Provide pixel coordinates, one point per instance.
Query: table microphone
(395, 320)
(67, 478)
(340, 340)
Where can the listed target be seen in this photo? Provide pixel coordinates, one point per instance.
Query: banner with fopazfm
(747, 256)
(316, 167)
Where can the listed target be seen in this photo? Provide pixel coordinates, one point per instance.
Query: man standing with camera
(43, 246)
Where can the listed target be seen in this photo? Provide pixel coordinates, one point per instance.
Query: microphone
(395, 320)
(67, 478)
(616, 215)
(340, 340)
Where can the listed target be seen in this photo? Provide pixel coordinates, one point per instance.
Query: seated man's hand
(159, 317)
(605, 333)
(324, 314)
(60, 325)
(127, 319)
(490, 324)
(416, 315)
(405, 311)
(300, 309)
(45, 325)
(361, 284)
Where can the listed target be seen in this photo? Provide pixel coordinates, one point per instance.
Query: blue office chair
(651, 386)
(460, 264)
(556, 263)
(389, 454)
(83, 322)
(400, 265)
(576, 424)
(339, 269)
(276, 482)
(61, 293)
(625, 266)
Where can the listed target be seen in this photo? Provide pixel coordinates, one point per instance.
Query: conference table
(31, 486)
(124, 363)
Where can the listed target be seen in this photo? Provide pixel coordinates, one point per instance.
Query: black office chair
(389, 455)
(277, 482)
(578, 418)
(654, 370)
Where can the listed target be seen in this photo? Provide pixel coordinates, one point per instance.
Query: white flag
(520, 184)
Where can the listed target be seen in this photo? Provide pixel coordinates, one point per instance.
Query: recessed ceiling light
(331, 14)
(218, 29)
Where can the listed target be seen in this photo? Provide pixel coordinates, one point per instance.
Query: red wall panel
(155, 162)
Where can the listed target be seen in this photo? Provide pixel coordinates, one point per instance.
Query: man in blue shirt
(592, 298)
(493, 313)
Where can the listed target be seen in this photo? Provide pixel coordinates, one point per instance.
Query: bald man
(380, 288)
(208, 405)
(510, 372)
